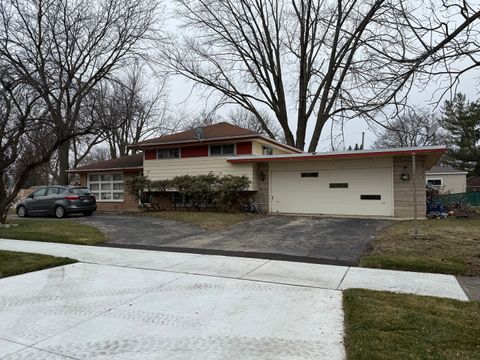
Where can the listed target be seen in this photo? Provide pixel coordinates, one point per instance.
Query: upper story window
(169, 153)
(267, 150)
(223, 149)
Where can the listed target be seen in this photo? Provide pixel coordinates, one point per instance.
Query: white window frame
(170, 148)
(434, 178)
(100, 182)
(234, 149)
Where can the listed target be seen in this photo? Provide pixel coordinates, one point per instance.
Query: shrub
(224, 192)
(230, 191)
(200, 189)
(137, 185)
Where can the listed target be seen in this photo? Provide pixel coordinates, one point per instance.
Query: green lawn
(389, 326)
(53, 230)
(205, 219)
(14, 263)
(450, 246)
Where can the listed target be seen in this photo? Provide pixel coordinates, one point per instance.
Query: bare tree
(412, 129)
(247, 120)
(327, 59)
(130, 110)
(24, 126)
(63, 49)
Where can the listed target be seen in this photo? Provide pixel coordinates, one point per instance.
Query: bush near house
(223, 192)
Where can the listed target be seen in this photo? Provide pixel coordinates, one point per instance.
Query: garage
(376, 182)
(336, 188)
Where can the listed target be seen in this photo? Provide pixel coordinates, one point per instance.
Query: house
(473, 183)
(446, 179)
(106, 180)
(282, 179)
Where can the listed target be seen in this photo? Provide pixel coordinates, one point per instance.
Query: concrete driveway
(328, 240)
(137, 304)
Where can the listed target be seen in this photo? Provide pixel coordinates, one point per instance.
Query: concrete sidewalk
(272, 271)
(137, 304)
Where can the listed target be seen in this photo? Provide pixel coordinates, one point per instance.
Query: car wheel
(22, 211)
(60, 212)
(88, 213)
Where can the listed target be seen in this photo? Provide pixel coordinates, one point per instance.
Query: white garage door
(336, 192)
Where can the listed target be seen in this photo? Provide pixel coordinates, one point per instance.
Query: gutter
(352, 154)
(105, 169)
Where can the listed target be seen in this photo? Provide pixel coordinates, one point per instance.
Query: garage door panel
(292, 193)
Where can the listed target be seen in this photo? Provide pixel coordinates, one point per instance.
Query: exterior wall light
(404, 176)
(261, 176)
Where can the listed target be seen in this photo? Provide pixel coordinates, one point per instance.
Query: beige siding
(168, 169)
(451, 183)
(403, 190)
(257, 148)
(332, 164)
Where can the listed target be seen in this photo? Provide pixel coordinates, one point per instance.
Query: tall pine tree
(461, 118)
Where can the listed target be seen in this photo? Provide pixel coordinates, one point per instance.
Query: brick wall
(402, 190)
(129, 203)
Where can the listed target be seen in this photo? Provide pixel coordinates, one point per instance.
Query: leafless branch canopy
(63, 49)
(318, 59)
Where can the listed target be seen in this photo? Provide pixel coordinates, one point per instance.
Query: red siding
(244, 148)
(151, 154)
(194, 151)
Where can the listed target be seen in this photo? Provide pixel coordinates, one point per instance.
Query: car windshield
(80, 191)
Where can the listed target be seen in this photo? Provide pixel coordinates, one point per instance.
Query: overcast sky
(182, 97)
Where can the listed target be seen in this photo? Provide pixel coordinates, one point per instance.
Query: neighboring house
(473, 183)
(446, 179)
(283, 179)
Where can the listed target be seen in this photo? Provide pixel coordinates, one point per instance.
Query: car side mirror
(31, 196)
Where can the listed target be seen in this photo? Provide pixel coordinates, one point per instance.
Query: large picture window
(106, 187)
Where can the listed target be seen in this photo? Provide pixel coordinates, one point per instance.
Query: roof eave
(437, 151)
(105, 169)
(145, 146)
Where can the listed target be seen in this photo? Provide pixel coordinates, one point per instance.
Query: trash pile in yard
(437, 209)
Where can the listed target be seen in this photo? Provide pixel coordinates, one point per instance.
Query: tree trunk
(63, 162)
(321, 120)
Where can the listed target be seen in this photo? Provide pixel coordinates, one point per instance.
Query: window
(435, 182)
(106, 187)
(338, 185)
(309, 175)
(224, 149)
(170, 153)
(370, 197)
(54, 191)
(39, 193)
(267, 150)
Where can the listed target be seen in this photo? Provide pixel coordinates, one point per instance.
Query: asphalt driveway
(316, 239)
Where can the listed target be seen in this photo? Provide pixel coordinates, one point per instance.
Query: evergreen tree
(461, 118)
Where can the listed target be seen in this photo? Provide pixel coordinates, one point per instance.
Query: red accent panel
(194, 151)
(151, 154)
(244, 148)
